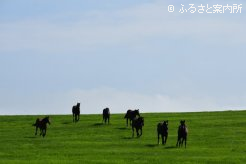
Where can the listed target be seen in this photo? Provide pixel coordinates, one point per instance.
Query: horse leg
(41, 131)
(182, 141)
(73, 117)
(132, 132)
(77, 118)
(36, 131)
(127, 122)
(166, 138)
(178, 142)
(162, 139)
(185, 142)
(158, 136)
(44, 132)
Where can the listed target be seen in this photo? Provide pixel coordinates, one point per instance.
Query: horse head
(47, 120)
(182, 122)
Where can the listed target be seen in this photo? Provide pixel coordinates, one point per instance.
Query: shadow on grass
(127, 138)
(122, 128)
(98, 124)
(170, 147)
(65, 123)
(30, 137)
(151, 145)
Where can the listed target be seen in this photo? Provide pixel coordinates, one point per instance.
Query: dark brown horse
(106, 115)
(131, 114)
(76, 112)
(42, 125)
(137, 123)
(162, 129)
(182, 134)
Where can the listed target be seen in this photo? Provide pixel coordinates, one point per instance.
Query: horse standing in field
(106, 115)
(131, 114)
(182, 134)
(42, 125)
(76, 112)
(137, 123)
(162, 129)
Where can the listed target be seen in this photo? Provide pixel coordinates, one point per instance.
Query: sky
(122, 55)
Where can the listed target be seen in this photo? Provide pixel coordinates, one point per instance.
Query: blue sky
(120, 54)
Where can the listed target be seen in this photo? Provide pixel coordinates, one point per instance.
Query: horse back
(76, 109)
(162, 128)
(183, 131)
(106, 111)
(159, 125)
(128, 113)
(137, 122)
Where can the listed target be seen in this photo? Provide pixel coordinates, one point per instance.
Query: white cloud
(93, 101)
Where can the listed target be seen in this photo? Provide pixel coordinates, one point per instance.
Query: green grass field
(214, 137)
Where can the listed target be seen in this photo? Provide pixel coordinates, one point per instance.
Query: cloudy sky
(122, 55)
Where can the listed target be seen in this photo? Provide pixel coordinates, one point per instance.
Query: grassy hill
(214, 137)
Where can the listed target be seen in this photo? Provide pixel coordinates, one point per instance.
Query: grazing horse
(41, 124)
(106, 115)
(182, 134)
(76, 112)
(137, 123)
(131, 114)
(162, 129)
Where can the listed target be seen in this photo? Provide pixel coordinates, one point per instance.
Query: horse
(106, 115)
(76, 112)
(182, 134)
(131, 114)
(137, 123)
(42, 125)
(162, 129)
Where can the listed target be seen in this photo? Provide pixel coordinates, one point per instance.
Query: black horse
(182, 134)
(131, 114)
(137, 123)
(42, 125)
(76, 112)
(106, 115)
(162, 129)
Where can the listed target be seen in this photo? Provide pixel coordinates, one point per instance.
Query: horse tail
(127, 115)
(73, 109)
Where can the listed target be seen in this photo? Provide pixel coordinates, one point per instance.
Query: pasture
(214, 137)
